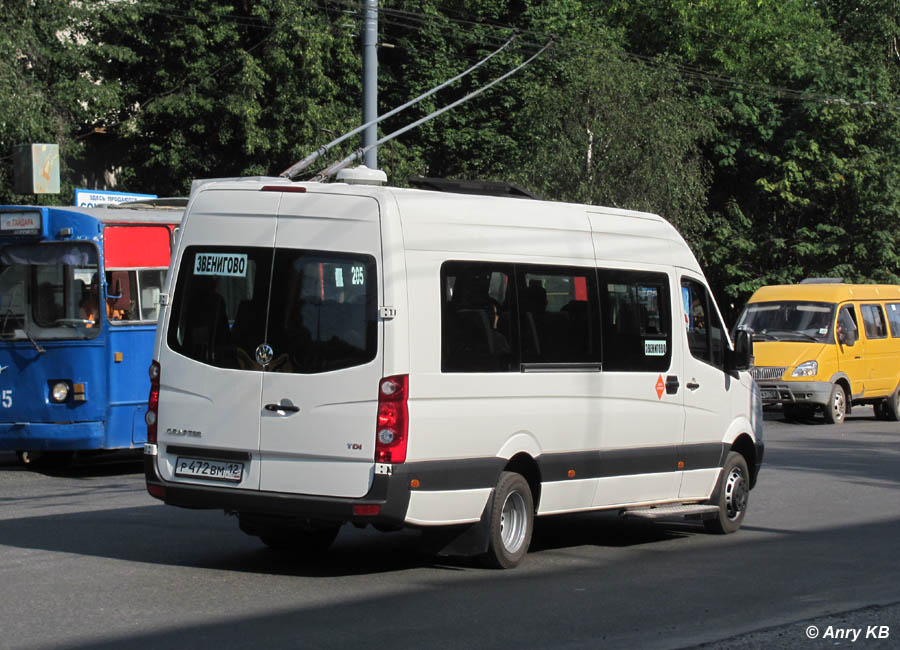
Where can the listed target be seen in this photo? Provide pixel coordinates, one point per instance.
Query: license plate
(216, 470)
(769, 394)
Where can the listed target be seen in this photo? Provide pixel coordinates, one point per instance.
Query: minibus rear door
(209, 402)
(319, 393)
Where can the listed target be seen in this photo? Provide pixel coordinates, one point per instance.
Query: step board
(662, 512)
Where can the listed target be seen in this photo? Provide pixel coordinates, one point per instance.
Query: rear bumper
(31, 436)
(391, 493)
(810, 393)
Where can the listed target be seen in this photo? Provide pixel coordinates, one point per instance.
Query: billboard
(93, 198)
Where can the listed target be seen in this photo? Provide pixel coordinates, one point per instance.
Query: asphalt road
(89, 560)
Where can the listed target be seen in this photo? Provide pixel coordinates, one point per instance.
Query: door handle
(692, 385)
(283, 407)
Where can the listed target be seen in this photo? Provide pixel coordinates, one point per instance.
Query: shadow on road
(578, 599)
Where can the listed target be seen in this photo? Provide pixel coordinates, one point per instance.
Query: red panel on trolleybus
(137, 246)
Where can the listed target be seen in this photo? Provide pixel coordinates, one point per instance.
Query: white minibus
(343, 352)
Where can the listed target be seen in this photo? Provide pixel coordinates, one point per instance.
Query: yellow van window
(893, 315)
(873, 321)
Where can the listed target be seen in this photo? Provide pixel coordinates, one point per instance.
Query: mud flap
(464, 541)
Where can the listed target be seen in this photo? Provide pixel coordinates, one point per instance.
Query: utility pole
(370, 82)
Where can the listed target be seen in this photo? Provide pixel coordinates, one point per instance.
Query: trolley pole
(370, 82)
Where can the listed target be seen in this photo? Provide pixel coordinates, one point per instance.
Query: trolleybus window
(133, 295)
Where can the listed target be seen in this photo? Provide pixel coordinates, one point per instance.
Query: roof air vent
(361, 175)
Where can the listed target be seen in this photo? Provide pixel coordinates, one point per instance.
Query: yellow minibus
(825, 345)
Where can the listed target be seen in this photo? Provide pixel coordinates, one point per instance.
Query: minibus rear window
(286, 310)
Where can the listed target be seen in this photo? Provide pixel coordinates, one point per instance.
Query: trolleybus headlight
(59, 391)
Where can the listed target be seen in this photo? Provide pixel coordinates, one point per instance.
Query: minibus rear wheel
(511, 522)
(891, 408)
(734, 492)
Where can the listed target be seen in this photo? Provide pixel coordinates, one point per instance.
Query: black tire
(734, 492)
(891, 408)
(836, 408)
(880, 409)
(792, 412)
(511, 523)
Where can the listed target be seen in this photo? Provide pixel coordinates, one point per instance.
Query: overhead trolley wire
(359, 153)
(321, 151)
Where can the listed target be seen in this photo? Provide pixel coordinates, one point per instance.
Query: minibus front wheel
(733, 495)
(511, 522)
(836, 408)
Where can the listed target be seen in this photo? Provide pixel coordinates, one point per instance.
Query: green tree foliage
(48, 91)
(803, 182)
(212, 90)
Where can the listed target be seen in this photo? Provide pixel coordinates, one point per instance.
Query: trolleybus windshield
(49, 291)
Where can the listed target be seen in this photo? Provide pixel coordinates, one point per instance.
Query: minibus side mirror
(741, 358)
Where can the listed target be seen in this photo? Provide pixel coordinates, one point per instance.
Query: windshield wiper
(764, 336)
(33, 342)
(784, 333)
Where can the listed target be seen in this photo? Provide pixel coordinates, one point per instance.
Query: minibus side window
(637, 323)
(893, 314)
(705, 332)
(873, 322)
(558, 315)
(478, 318)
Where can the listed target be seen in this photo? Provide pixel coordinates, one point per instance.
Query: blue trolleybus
(79, 297)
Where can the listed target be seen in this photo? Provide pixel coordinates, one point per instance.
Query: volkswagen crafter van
(826, 346)
(334, 353)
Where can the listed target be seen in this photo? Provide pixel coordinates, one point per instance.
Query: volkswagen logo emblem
(264, 354)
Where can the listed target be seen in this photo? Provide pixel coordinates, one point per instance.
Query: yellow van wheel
(891, 408)
(836, 408)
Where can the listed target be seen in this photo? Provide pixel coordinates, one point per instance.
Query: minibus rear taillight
(393, 420)
(153, 403)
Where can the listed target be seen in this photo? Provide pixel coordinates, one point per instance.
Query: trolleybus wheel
(27, 457)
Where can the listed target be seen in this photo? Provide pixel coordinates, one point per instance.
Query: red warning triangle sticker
(660, 387)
